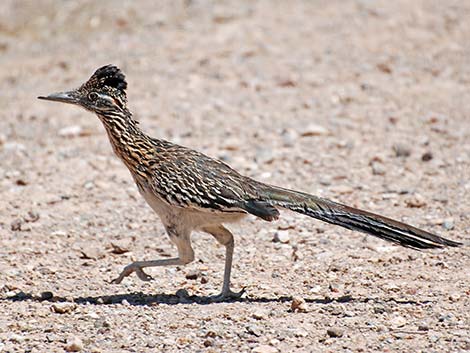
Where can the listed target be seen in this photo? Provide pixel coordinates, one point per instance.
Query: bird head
(104, 92)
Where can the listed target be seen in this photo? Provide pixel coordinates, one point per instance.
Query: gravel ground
(364, 102)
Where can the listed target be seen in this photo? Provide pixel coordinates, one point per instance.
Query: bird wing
(187, 178)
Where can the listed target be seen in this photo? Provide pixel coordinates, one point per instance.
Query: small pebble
(423, 327)
(14, 146)
(455, 297)
(74, 344)
(16, 224)
(89, 185)
(64, 307)
(182, 293)
(314, 130)
(381, 328)
(46, 295)
(281, 236)
(416, 201)
(427, 156)
(10, 294)
(119, 248)
(21, 182)
(93, 315)
(401, 150)
(31, 216)
(274, 342)
(446, 317)
(258, 315)
(398, 321)
(192, 275)
(378, 168)
(208, 342)
(264, 348)
(99, 323)
(298, 305)
(265, 156)
(254, 330)
(92, 253)
(448, 224)
(384, 67)
(14, 337)
(299, 332)
(70, 131)
(335, 332)
(379, 310)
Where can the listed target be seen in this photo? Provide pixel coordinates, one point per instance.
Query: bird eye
(93, 96)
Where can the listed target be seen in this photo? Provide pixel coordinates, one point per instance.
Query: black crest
(107, 76)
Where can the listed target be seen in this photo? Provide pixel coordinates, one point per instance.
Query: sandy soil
(364, 102)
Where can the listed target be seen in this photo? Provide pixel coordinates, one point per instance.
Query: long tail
(353, 218)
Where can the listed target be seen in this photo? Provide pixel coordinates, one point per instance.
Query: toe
(117, 280)
(143, 276)
(227, 295)
(238, 294)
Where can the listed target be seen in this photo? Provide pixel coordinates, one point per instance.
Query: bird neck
(127, 139)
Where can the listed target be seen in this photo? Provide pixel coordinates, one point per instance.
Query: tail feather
(354, 219)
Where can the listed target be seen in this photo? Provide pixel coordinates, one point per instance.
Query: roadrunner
(191, 191)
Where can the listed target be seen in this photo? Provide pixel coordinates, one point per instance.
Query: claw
(227, 295)
(128, 270)
(142, 275)
(116, 280)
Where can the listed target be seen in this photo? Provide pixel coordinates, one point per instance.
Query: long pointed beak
(64, 97)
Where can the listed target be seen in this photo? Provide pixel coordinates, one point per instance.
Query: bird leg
(225, 237)
(185, 256)
(138, 267)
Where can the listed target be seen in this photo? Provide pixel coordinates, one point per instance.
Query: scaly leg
(185, 256)
(224, 237)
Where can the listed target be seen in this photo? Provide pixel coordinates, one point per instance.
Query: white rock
(70, 131)
(314, 130)
(259, 315)
(281, 236)
(378, 168)
(93, 315)
(264, 348)
(14, 147)
(89, 185)
(448, 224)
(415, 201)
(63, 308)
(316, 289)
(74, 344)
(14, 337)
(398, 321)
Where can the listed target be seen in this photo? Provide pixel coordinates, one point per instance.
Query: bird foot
(133, 267)
(227, 295)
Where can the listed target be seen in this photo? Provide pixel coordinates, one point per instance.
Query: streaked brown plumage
(191, 191)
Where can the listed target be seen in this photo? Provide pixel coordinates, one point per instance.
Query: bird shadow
(142, 299)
